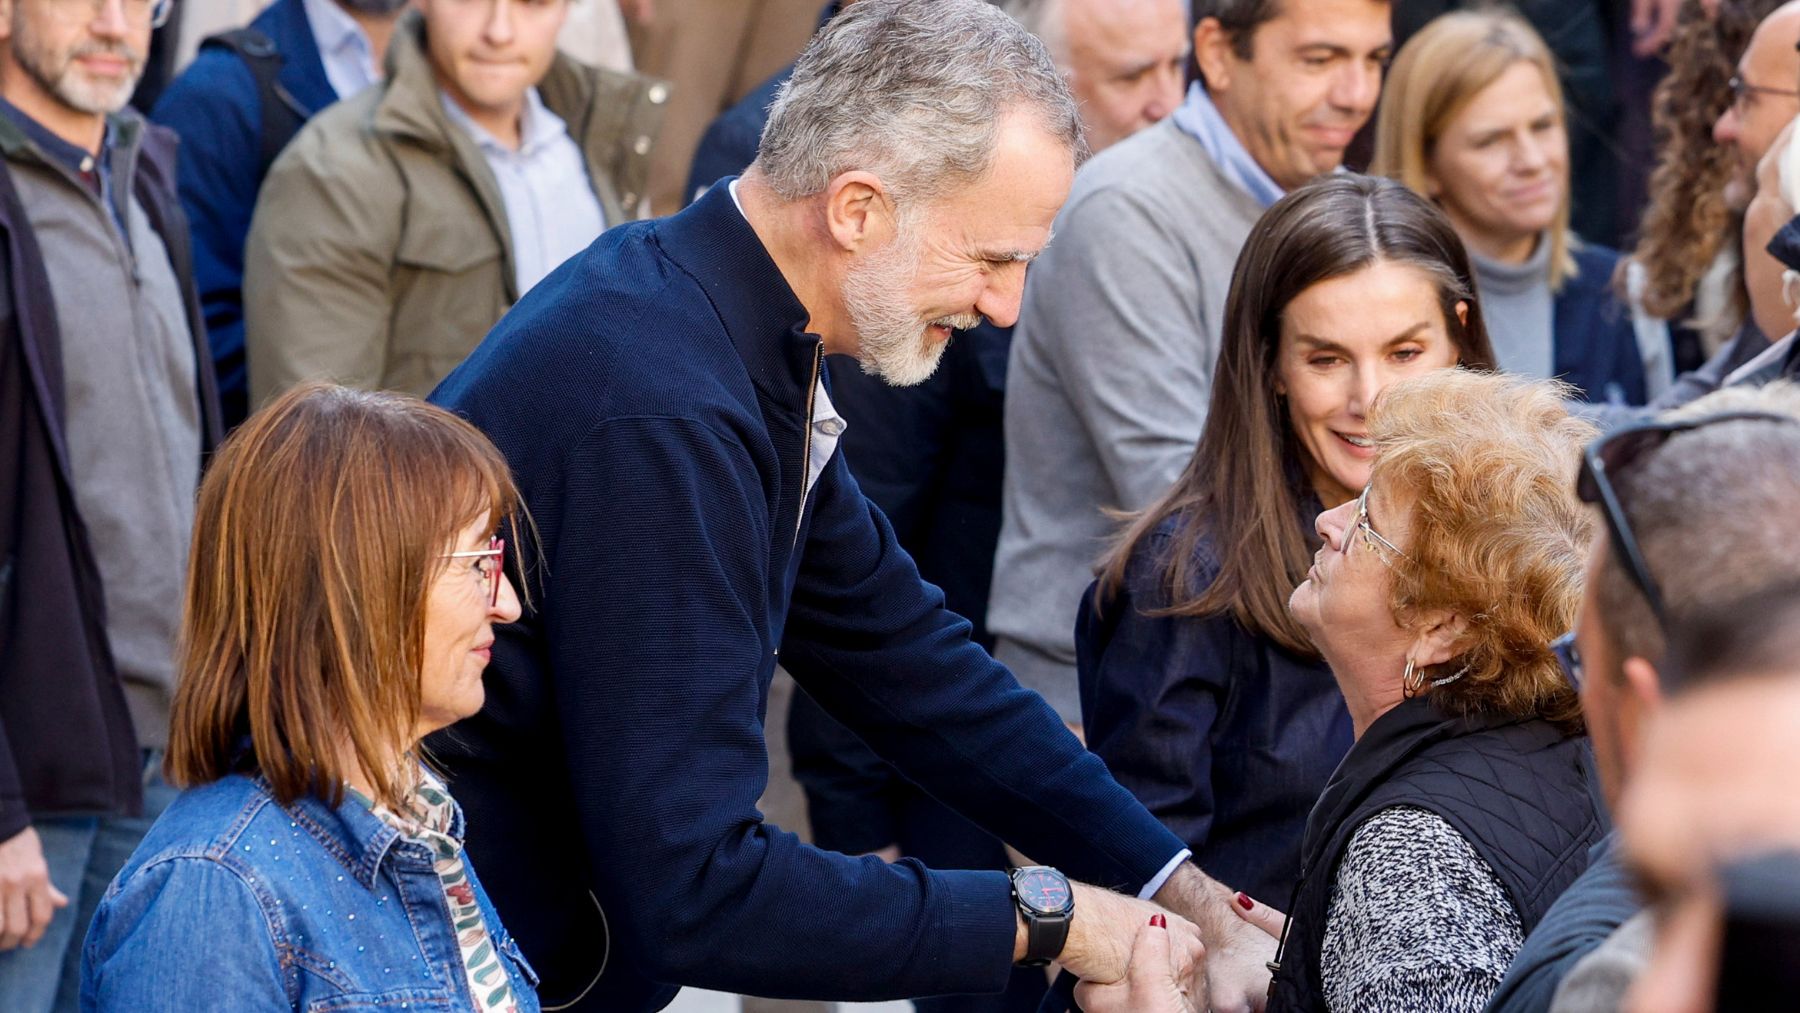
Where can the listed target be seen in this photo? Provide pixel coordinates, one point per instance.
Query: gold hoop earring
(1412, 680)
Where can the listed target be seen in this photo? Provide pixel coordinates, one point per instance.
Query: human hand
(1264, 917)
(1153, 982)
(1102, 930)
(1652, 23)
(1769, 209)
(28, 900)
(1237, 952)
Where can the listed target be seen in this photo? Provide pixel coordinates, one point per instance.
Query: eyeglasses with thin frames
(1359, 522)
(490, 563)
(155, 12)
(1742, 91)
(1615, 452)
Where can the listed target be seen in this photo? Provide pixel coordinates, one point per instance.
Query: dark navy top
(1224, 735)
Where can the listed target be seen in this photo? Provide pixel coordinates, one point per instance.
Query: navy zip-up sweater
(651, 396)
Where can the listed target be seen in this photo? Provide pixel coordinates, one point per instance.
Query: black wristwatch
(1044, 898)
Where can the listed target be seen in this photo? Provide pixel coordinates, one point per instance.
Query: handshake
(1197, 947)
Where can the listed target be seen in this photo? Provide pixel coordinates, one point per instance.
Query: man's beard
(892, 341)
(64, 79)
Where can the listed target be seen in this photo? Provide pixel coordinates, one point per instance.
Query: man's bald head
(1768, 96)
(1124, 59)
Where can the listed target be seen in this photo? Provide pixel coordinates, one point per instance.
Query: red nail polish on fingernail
(1244, 901)
(1158, 922)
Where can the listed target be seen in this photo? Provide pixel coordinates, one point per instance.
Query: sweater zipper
(812, 390)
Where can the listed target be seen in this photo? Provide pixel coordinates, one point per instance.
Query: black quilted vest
(1519, 790)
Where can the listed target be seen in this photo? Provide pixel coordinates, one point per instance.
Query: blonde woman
(1472, 118)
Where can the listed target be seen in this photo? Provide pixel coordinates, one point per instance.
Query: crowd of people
(1329, 576)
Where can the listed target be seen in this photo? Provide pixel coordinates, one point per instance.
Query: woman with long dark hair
(1199, 690)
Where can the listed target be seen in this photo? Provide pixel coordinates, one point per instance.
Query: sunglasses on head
(1615, 452)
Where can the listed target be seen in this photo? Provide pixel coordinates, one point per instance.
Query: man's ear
(1213, 54)
(1643, 685)
(858, 210)
(6, 18)
(1440, 636)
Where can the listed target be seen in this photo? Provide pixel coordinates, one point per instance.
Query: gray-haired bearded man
(664, 403)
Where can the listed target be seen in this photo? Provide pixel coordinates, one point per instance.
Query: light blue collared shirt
(551, 210)
(351, 63)
(1199, 118)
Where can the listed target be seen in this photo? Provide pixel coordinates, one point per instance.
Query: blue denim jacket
(234, 903)
(1221, 733)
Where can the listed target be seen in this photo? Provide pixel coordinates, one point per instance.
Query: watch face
(1044, 891)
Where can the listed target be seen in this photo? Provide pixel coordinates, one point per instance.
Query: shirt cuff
(1156, 882)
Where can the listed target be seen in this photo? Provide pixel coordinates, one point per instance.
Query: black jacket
(1224, 735)
(653, 396)
(66, 742)
(1518, 790)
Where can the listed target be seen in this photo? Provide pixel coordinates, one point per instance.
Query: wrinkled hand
(28, 900)
(1237, 967)
(1103, 928)
(1154, 982)
(1652, 23)
(1237, 953)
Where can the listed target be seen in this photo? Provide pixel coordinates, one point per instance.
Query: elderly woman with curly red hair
(1463, 808)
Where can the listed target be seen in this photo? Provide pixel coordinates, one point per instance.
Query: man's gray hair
(1712, 510)
(913, 91)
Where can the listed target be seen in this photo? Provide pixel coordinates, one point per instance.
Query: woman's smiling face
(1342, 341)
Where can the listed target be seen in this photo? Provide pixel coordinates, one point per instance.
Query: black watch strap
(1045, 936)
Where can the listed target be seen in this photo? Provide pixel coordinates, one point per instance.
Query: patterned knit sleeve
(1417, 922)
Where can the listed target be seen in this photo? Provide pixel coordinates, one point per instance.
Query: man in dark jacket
(1708, 510)
(663, 402)
(235, 107)
(106, 408)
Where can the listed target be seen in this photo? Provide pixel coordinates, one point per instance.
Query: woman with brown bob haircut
(342, 589)
(1463, 810)
(1199, 690)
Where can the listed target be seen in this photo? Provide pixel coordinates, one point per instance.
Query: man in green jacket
(402, 223)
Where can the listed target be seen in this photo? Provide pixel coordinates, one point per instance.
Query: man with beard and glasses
(400, 224)
(106, 409)
(664, 403)
(235, 107)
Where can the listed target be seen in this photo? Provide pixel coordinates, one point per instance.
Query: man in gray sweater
(1111, 365)
(106, 408)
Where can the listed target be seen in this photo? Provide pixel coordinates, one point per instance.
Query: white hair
(913, 91)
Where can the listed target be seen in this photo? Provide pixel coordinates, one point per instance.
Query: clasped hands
(1193, 950)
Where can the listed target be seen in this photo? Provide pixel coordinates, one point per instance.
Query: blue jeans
(84, 853)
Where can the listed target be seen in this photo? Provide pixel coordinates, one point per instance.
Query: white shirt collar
(351, 63)
(538, 126)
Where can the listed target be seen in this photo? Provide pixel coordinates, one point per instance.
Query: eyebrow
(1338, 49)
(1017, 256)
(1141, 66)
(1326, 343)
